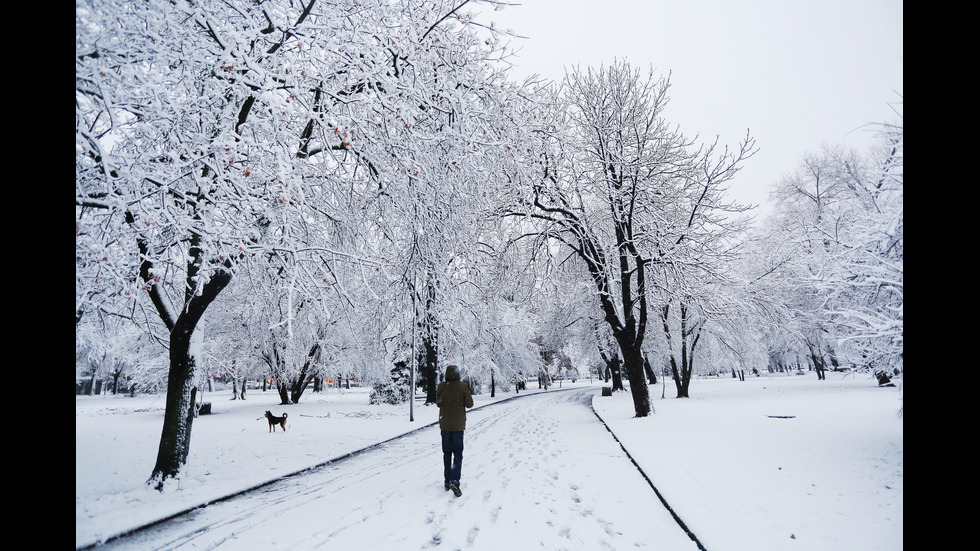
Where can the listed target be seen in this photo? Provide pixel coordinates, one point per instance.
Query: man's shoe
(455, 489)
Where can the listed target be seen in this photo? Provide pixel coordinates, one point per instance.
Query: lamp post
(411, 378)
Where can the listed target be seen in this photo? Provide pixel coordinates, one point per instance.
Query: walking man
(453, 397)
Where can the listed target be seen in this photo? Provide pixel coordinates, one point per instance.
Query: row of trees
(832, 256)
(335, 188)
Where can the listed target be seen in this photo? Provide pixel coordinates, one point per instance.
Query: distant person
(453, 397)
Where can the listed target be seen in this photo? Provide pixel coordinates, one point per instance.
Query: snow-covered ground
(771, 463)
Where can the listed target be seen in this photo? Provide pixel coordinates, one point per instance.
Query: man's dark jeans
(452, 455)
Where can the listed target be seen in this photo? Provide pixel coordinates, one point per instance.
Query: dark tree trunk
(818, 361)
(428, 362)
(306, 373)
(283, 391)
(820, 369)
(428, 354)
(651, 374)
(178, 419)
(175, 438)
(298, 386)
(684, 372)
(638, 382)
(613, 369)
(616, 370)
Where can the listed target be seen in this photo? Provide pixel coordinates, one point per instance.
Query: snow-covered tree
(117, 352)
(839, 219)
(634, 199)
(868, 282)
(170, 191)
(210, 135)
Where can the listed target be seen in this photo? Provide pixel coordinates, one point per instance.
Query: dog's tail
(284, 415)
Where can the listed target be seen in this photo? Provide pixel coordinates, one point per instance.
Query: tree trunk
(428, 352)
(676, 373)
(177, 420)
(296, 388)
(821, 370)
(613, 370)
(429, 368)
(283, 391)
(616, 370)
(685, 371)
(638, 383)
(651, 374)
(175, 438)
(306, 374)
(178, 416)
(817, 359)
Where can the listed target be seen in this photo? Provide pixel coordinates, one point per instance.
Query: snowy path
(538, 472)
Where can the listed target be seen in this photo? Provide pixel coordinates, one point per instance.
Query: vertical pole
(411, 394)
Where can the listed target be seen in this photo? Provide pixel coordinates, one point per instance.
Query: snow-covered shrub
(396, 390)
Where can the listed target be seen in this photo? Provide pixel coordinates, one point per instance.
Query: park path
(541, 472)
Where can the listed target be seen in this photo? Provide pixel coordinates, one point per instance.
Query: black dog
(273, 421)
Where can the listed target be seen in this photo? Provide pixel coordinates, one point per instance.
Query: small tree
(396, 390)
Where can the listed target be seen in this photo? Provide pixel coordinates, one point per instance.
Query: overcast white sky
(795, 73)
